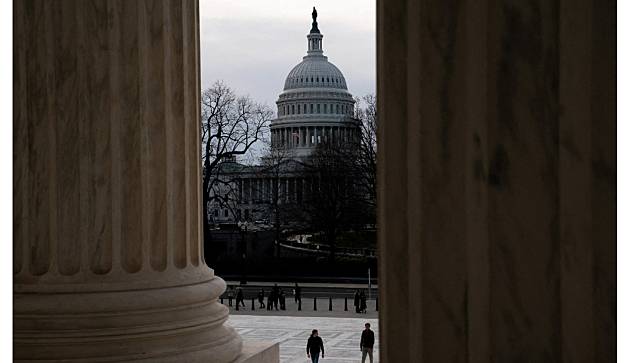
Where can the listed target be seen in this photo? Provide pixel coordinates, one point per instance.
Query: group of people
(276, 299)
(360, 301)
(315, 345)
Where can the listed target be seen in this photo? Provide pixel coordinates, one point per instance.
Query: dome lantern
(315, 37)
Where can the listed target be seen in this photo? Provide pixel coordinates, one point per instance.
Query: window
(226, 213)
(325, 108)
(298, 109)
(318, 108)
(216, 212)
(305, 108)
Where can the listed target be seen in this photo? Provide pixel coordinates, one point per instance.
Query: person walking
(356, 301)
(282, 297)
(314, 346)
(298, 293)
(271, 298)
(366, 343)
(260, 299)
(363, 302)
(240, 298)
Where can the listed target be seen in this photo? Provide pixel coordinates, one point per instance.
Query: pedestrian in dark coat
(240, 298)
(271, 299)
(314, 346)
(282, 298)
(363, 302)
(356, 301)
(298, 293)
(366, 343)
(260, 298)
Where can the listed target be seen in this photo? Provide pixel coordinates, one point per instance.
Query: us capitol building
(315, 107)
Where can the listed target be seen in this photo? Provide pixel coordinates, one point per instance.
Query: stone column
(497, 181)
(108, 261)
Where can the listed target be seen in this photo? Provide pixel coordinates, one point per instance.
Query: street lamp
(243, 226)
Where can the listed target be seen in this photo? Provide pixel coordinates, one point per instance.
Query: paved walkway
(341, 336)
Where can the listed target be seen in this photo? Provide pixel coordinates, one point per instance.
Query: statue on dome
(314, 26)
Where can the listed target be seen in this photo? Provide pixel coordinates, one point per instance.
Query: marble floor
(341, 336)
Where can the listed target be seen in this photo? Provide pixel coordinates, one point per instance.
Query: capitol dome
(315, 72)
(315, 106)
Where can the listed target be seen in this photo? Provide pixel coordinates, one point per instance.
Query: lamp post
(243, 226)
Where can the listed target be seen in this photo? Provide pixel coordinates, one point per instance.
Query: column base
(172, 324)
(259, 352)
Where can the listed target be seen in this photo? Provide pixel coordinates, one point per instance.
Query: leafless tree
(365, 162)
(275, 165)
(230, 127)
(334, 204)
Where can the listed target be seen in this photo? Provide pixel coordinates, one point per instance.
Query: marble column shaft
(497, 181)
(108, 255)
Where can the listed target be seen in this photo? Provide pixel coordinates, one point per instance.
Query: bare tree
(334, 204)
(365, 160)
(230, 127)
(275, 165)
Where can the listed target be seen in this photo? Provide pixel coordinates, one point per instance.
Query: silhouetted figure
(276, 290)
(363, 302)
(260, 298)
(356, 301)
(271, 300)
(230, 296)
(282, 298)
(240, 298)
(314, 347)
(298, 293)
(366, 343)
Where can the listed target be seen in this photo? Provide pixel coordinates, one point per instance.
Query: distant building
(314, 108)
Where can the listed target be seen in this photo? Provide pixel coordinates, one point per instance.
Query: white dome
(315, 106)
(314, 72)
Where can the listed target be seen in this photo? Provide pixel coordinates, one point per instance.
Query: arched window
(298, 109)
(317, 79)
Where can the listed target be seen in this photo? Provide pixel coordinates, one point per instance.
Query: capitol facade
(314, 108)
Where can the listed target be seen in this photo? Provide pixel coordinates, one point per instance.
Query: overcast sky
(252, 44)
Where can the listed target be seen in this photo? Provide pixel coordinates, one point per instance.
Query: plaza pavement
(341, 336)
